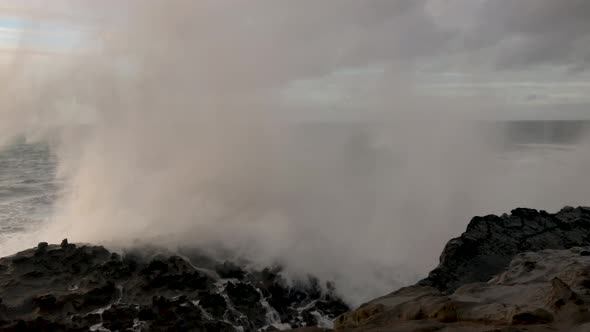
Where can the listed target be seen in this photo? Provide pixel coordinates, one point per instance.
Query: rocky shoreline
(72, 287)
(527, 271)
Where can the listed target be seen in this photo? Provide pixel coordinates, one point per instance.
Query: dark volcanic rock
(246, 299)
(213, 303)
(230, 270)
(174, 273)
(527, 271)
(331, 306)
(181, 315)
(71, 288)
(81, 322)
(295, 301)
(490, 243)
(41, 247)
(39, 324)
(119, 317)
(45, 302)
(242, 293)
(67, 246)
(100, 296)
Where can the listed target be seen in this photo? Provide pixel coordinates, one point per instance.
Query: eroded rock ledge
(490, 243)
(71, 287)
(540, 291)
(528, 271)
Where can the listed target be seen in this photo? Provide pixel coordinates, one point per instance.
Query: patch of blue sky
(44, 36)
(11, 22)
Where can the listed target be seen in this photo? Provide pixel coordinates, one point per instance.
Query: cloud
(308, 38)
(518, 34)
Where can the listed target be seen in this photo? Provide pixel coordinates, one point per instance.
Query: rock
(359, 317)
(117, 269)
(538, 316)
(230, 270)
(307, 318)
(528, 271)
(38, 324)
(45, 302)
(546, 296)
(119, 317)
(284, 296)
(146, 314)
(275, 288)
(41, 248)
(561, 293)
(177, 314)
(246, 299)
(242, 293)
(331, 306)
(155, 266)
(173, 273)
(83, 321)
(100, 296)
(215, 326)
(213, 303)
(491, 242)
(75, 287)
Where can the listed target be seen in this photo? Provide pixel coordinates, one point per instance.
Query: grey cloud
(531, 32)
(275, 42)
(293, 39)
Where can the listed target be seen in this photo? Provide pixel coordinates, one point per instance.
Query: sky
(529, 56)
(41, 36)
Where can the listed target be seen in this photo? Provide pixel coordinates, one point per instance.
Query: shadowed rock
(71, 288)
(490, 243)
(528, 271)
(230, 270)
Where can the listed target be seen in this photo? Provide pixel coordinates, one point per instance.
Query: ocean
(28, 188)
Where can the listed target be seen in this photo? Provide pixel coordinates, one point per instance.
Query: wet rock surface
(490, 243)
(551, 296)
(528, 271)
(71, 287)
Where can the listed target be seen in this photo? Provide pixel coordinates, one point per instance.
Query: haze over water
(241, 125)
